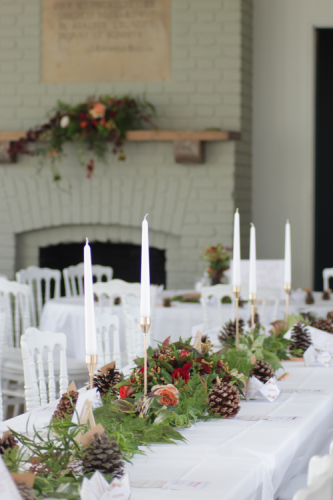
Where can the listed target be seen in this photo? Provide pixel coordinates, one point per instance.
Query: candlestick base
(91, 362)
(145, 325)
(237, 290)
(252, 299)
(287, 289)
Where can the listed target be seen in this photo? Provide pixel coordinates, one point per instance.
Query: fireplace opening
(124, 258)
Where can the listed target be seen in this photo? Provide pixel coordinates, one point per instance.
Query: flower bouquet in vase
(218, 258)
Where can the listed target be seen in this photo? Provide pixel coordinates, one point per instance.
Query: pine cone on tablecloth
(228, 331)
(224, 399)
(8, 442)
(324, 324)
(257, 323)
(262, 371)
(330, 315)
(106, 381)
(326, 295)
(25, 491)
(66, 405)
(309, 299)
(103, 454)
(301, 337)
(309, 317)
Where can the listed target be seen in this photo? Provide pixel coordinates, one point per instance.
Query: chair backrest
(74, 275)
(265, 293)
(269, 272)
(320, 489)
(17, 299)
(327, 274)
(106, 324)
(319, 465)
(34, 342)
(42, 281)
(130, 294)
(217, 291)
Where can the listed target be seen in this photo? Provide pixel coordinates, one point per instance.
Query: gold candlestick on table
(287, 289)
(145, 324)
(237, 290)
(252, 298)
(91, 362)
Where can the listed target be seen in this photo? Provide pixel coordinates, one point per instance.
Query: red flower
(183, 354)
(82, 116)
(94, 122)
(83, 124)
(219, 366)
(126, 391)
(187, 366)
(181, 373)
(103, 122)
(141, 370)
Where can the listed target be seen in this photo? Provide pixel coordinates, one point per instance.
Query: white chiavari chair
(107, 325)
(327, 274)
(218, 292)
(33, 342)
(130, 294)
(74, 275)
(41, 281)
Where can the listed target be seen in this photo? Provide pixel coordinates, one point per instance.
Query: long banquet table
(240, 459)
(66, 315)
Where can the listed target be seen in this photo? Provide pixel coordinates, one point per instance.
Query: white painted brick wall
(189, 206)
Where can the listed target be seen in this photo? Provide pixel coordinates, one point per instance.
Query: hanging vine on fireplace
(91, 125)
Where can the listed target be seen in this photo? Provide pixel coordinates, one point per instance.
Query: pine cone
(326, 295)
(301, 337)
(25, 491)
(309, 299)
(330, 315)
(66, 405)
(256, 321)
(224, 399)
(309, 318)
(105, 382)
(262, 371)
(324, 324)
(103, 454)
(8, 442)
(228, 331)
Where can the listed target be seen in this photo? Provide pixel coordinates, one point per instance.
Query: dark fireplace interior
(124, 258)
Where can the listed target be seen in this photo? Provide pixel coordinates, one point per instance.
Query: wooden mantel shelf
(188, 144)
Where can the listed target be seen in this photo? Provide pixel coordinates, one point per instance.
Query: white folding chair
(130, 294)
(106, 324)
(327, 274)
(217, 291)
(34, 342)
(40, 280)
(73, 278)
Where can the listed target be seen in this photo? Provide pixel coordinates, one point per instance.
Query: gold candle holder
(237, 290)
(91, 362)
(145, 325)
(252, 299)
(287, 289)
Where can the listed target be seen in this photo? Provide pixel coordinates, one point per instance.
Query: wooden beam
(155, 135)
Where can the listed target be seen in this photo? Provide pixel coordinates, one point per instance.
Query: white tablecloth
(241, 460)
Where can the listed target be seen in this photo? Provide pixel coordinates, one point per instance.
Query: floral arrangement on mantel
(186, 383)
(218, 258)
(92, 125)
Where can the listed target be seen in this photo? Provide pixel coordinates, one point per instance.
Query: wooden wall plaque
(105, 40)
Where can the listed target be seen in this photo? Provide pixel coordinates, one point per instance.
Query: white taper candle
(145, 274)
(236, 274)
(287, 256)
(253, 257)
(89, 310)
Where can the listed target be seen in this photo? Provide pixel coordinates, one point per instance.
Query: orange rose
(169, 393)
(98, 111)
